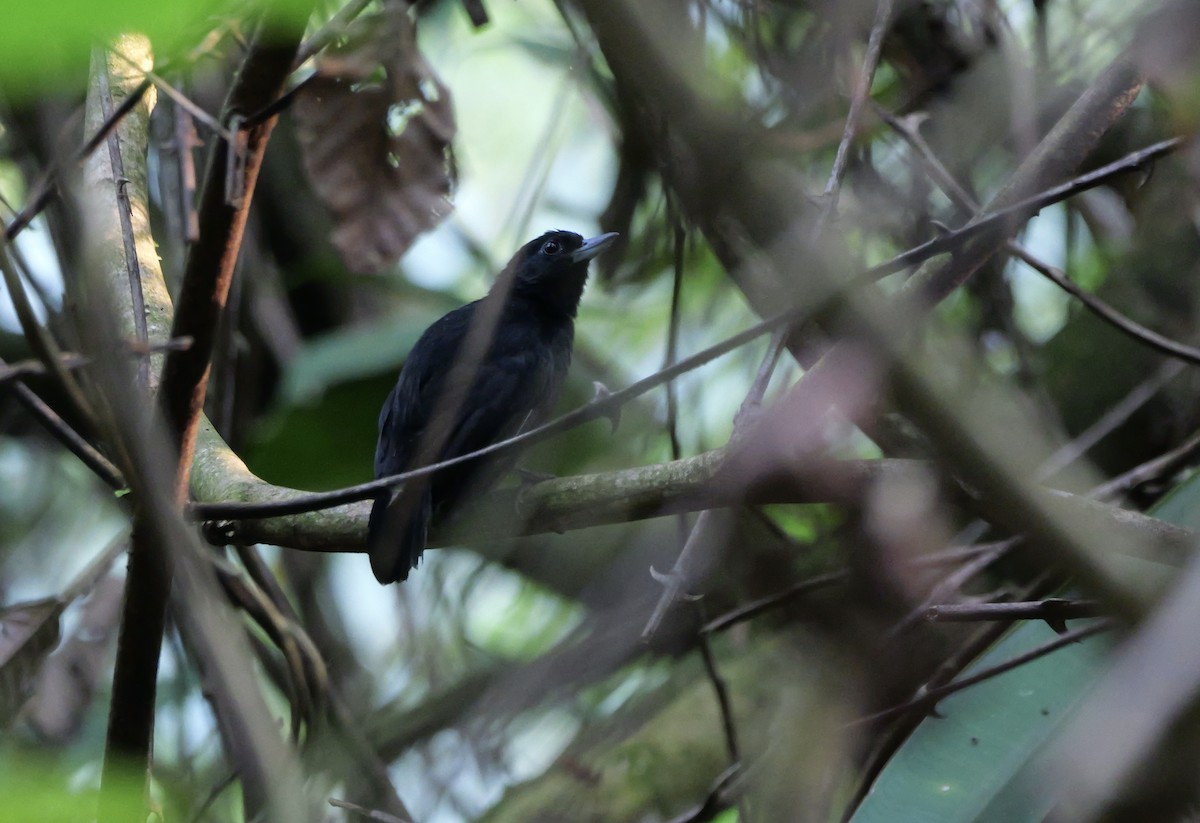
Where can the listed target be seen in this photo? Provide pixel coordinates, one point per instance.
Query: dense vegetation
(872, 499)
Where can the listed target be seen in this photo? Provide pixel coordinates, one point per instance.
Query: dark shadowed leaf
(376, 124)
(28, 633)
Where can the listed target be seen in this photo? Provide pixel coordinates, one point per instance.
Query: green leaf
(35, 790)
(43, 45)
(974, 762)
(954, 766)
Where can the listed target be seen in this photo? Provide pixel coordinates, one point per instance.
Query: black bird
(476, 376)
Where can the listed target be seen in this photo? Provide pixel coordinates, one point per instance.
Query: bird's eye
(551, 247)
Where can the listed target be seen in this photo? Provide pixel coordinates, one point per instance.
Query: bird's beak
(593, 246)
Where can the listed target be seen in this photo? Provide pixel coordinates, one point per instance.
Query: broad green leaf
(953, 766)
(974, 762)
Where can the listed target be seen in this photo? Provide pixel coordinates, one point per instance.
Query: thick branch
(559, 505)
(131, 712)
(224, 206)
(589, 500)
(131, 718)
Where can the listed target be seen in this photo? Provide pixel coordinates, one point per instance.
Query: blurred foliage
(37, 790)
(981, 757)
(507, 679)
(47, 46)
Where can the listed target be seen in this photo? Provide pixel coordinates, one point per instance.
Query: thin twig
(600, 407)
(38, 336)
(945, 181)
(73, 360)
(186, 139)
(673, 340)
(1053, 610)
(931, 697)
(541, 163)
(1160, 466)
(1025, 208)
(305, 681)
(216, 791)
(181, 100)
(724, 703)
(681, 573)
(36, 368)
(43, 189)
(983, 637)
(70, 439)
(1131, 328)
(771, 602)
(862, 88)
(332, 30)
(952, 583)
(1108, 422)
(715, 802)
(95, 570)
(194, 109)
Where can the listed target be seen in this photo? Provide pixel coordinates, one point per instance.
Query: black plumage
(476, 376)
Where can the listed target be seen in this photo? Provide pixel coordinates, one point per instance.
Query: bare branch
(43, 190)
(1053, 610)
(861, 89)
(72, 440)
(707, 524)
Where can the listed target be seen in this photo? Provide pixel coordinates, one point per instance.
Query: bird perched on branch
(476, 376)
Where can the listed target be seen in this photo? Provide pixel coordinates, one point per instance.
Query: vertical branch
(224, 206)
(673, 338)
(709, 524)
(125, 215)
(202, 296)
(862, 88)
(117, 225)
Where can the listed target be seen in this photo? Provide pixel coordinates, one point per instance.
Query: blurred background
(509, 678)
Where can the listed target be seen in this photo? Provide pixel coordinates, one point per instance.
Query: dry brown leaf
(28, 633)
(376, 125)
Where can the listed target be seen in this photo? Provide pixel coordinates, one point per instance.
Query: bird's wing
(408, 408)
(506, 389)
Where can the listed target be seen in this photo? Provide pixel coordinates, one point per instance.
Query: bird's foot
(526, 501)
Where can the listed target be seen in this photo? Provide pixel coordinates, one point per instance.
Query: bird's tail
(397, 531)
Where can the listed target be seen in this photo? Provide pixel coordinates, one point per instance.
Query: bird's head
(552, 269)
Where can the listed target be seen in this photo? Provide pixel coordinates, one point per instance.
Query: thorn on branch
(601, 392)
